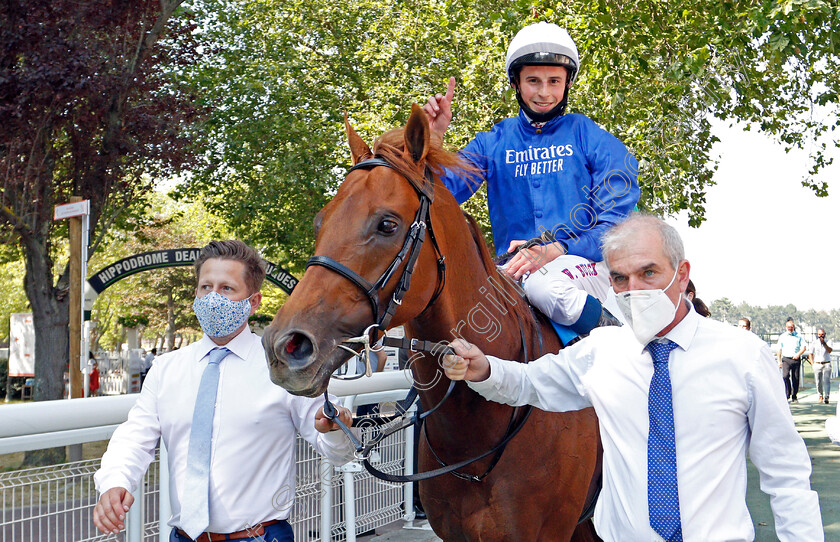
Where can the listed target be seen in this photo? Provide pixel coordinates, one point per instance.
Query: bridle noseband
(409, 252)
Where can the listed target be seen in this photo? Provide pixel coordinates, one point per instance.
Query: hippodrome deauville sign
(173, 257)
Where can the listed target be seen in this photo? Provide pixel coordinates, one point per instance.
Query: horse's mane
(525, 316)
(390, 146)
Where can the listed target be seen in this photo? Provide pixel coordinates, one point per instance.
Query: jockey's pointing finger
(450, 90)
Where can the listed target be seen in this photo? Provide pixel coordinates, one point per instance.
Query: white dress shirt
(252, 472)
(821, 354)
(728, 398)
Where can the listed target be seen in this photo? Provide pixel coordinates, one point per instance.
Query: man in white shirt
(820, 358)
(248, 469)
(789, 350)
(722, 388)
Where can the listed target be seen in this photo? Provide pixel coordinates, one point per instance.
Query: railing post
(408, 468)
(164, 506)
(326, 475)
(350, 499)
(136, 517)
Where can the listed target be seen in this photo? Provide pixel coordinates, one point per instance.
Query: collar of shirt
(239, 345)
(682, 334)
(523, 116)
(685, 331)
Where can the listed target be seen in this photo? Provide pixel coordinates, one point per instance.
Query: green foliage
(281, 73)
(262, 319)
(135, 320)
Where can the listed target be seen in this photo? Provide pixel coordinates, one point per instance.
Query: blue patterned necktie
(663, 496)
(195, 507)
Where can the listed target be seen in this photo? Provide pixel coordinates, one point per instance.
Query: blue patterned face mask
(219, 316)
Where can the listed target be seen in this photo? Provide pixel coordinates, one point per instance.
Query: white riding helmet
(542, 43)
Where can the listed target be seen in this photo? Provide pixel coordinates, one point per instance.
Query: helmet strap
(556, 111)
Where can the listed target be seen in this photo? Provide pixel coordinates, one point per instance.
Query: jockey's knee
(561, 300)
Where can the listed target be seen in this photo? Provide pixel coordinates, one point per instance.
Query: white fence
(55, 503)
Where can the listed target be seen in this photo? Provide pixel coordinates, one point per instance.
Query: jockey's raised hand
(439, 109)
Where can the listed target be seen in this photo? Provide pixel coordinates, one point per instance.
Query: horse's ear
(417, 135)
(359, 150)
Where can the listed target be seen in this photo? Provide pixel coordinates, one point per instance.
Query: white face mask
(647, 312)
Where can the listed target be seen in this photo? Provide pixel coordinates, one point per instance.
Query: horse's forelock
(391, 146)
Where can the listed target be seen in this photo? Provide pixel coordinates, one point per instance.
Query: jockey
(554, 181)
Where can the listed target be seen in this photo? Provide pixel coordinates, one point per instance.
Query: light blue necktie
(195, 508)
(663, 495)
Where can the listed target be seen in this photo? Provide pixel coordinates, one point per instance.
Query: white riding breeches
(559, 289)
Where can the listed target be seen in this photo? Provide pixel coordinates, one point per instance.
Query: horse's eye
(387, 226)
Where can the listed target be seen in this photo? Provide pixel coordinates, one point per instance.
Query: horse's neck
(474, 305)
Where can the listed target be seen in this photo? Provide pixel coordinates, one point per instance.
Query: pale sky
(767, 240)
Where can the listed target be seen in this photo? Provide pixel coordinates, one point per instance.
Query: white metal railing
(56, 502)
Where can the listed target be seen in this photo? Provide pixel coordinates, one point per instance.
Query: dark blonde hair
(234, 249)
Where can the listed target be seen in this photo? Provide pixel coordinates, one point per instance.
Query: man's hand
(531, 259)
(109, 512)
(439, 109)
(468, 363)
(325, 425)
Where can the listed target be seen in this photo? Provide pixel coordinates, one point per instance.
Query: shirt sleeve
(614, 191)
(461, 185)
(551, 383)
(780, 455)
(132, 446)
(334, 445)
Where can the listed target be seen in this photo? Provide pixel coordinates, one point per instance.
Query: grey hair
(618, 235)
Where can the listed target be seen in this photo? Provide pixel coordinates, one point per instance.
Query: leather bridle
(409, 253)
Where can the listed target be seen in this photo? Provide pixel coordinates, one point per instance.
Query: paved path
(810, 419)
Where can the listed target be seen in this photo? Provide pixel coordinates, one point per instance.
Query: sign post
(78, 211)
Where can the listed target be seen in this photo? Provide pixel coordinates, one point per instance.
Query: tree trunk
(50, 316)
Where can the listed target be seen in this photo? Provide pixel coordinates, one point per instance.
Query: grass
(13, 462)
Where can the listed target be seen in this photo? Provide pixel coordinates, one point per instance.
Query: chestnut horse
(539, 486)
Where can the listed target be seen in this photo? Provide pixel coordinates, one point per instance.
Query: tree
(654, 73)
(86, 110)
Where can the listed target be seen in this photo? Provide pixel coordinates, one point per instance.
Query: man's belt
(250, 532)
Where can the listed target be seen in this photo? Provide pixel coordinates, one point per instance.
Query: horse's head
(351, 280)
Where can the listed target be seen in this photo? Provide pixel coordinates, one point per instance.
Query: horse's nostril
(298, 347)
